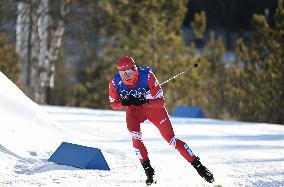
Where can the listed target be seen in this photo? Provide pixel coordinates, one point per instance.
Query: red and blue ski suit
(154, 111)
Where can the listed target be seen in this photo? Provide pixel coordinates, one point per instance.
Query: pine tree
(257, 89)
(213, 75)
(205, 86)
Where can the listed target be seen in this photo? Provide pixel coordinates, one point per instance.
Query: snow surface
(238, 153)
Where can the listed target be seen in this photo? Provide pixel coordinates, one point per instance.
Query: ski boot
(149, 171)
(202, 170)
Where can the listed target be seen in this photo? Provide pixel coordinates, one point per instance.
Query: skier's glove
(125, 101)
(138, 101)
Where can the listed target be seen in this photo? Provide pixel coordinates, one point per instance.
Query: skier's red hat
(124, 63)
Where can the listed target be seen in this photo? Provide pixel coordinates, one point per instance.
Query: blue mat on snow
(188, 112)
(79, 156)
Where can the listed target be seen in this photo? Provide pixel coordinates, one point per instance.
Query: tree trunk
(40, 30)
(23, 44)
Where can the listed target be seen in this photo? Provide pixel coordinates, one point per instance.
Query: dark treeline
(248, 87)
(232, 15)
(230, 18)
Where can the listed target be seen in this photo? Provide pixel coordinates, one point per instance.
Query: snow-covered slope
(239, 154)
(25, 126)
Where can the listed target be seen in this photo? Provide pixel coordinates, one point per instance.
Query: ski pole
(185, 70)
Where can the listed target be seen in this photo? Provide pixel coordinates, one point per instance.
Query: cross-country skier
(137, 90)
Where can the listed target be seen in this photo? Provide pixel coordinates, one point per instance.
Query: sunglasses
(128, 72)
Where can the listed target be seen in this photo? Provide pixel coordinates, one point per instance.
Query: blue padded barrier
(79, 156)
(188, 111)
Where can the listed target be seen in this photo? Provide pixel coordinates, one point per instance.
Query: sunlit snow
(237, 153)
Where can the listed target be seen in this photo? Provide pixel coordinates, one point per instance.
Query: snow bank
(23, 124)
